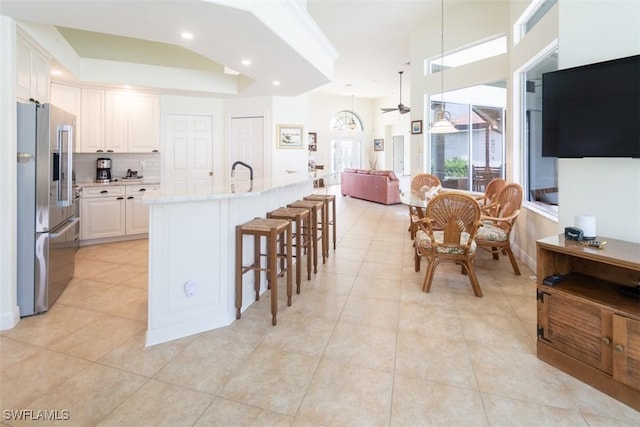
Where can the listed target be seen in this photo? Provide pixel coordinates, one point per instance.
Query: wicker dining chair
(494, 234)
(488, 199)
(447, 234)
(420, 184)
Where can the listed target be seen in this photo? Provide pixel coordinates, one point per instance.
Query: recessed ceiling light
(186, 35)
(55, 72)
(276, 83)
(246, 62)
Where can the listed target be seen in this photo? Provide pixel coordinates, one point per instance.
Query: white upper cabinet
(32, 72)
(68, 98)
(118, 122)
(132, 122)
(92, 119)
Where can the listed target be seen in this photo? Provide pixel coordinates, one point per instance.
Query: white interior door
(398, 154)
(246, 144)
(187, 158)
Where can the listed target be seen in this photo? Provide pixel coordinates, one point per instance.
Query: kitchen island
(192, 251)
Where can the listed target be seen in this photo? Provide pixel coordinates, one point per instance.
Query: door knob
(619, 348)
(605, 340)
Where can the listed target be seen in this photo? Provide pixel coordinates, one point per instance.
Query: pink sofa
(375, 186)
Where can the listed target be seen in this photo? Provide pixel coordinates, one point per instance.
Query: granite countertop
(230, 189)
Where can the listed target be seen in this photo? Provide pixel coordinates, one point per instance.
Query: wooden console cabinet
(586, 327)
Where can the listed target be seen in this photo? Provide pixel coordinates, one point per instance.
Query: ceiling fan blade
(401, 108)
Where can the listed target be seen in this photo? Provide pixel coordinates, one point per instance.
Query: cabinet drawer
(136, 190)
(103, 191)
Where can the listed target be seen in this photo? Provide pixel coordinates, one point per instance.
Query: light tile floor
(362, 345)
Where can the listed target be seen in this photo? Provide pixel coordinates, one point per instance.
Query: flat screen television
(592, 110)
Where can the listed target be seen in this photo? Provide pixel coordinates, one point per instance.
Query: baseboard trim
(524, 257)
(9, 320)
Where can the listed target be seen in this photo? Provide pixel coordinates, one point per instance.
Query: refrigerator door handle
(64, 229)
(65, 165)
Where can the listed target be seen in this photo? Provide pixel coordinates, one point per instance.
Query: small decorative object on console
(573, 233)
(594, 243)
(553, 280)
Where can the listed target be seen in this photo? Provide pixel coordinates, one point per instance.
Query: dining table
(417, 201)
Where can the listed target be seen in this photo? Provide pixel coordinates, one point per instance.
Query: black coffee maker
(103, 170)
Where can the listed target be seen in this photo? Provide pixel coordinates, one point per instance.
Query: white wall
(8, 308)
(609, 189)
(291, 111)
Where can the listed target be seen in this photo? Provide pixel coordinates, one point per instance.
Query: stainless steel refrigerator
(47, 206)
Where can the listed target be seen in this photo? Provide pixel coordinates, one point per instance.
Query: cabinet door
(137, 216)
(626, 350)
(32, 73)
(102, 217)
(23, 70)
(39, 77)
(143, 131)
(92, 118)
(577, 328)
(69, 99)
(116, 132)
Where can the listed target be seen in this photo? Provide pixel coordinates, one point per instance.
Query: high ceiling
(371, 38)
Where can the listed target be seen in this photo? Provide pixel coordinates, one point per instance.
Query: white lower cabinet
(137, 213)
(114, 211)
(103, 212)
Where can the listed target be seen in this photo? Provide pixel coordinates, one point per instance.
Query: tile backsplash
(147, 165)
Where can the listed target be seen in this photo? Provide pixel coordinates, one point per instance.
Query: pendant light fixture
(442, 119)
(352, 124)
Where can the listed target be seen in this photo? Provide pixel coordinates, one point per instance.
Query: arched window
(346, 120)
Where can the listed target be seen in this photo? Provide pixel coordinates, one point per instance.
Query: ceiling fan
(403, 109)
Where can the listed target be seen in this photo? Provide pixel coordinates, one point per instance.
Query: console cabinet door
(626, 351)
(577, 328)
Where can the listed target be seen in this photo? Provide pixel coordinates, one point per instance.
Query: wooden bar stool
(317, 220)
(272, 230)
(301, 237)
(328, 199)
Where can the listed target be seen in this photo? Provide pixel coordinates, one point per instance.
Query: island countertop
(229, 190)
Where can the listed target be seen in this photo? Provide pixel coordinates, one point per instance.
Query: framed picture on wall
(313, 141)
(289, 136)
(416, 127)
(378, 145)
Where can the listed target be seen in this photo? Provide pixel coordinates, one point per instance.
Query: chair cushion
(424, 241)
(491, 233)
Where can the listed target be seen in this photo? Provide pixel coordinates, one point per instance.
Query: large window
(477, 52)
(346, 120)
(471, 157)
(541, 172)
(536, 11)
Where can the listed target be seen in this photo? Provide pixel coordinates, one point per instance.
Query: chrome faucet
(233, 168)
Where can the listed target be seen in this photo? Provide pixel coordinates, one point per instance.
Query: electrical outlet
(190, 288)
